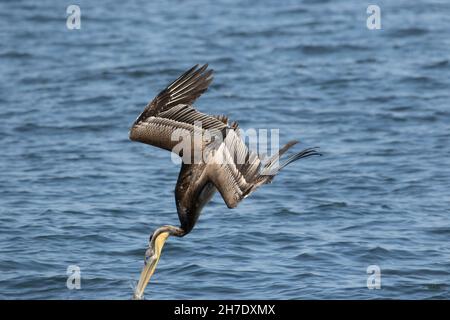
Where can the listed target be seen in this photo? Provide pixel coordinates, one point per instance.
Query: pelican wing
(185, 90)
(168, 128)
(170, 115)
(234, 170)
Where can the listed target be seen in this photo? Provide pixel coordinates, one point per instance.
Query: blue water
(75, 191)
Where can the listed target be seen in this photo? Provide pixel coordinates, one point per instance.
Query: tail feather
(280, 152)
(270, 170)
(302, 154)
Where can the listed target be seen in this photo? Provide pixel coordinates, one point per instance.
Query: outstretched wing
(185, 90)
(233, 169)
(236, 172)
(170, 115)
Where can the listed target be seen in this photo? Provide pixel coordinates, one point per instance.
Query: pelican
(228, 166)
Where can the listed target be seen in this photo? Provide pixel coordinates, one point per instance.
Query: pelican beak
(151, 260)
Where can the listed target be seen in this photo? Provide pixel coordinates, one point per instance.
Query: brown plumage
(225, 163)
(171, 112)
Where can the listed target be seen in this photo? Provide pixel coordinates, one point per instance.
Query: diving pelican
(171, 113)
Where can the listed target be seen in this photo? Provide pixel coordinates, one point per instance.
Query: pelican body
(171, 113)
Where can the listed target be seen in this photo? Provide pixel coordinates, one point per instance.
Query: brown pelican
(171, 113)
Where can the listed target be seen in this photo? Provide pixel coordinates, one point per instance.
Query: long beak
(150, 266)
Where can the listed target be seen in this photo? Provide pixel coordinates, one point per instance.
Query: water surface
(75, 191)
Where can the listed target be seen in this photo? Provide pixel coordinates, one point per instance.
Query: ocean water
(75, 191)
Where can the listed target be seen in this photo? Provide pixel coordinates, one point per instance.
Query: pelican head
(152, 255)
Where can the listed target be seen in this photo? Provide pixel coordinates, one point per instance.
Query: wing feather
(166, 129)
(184, 90)
(171, 111)
(230, 166)
(236, 171)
